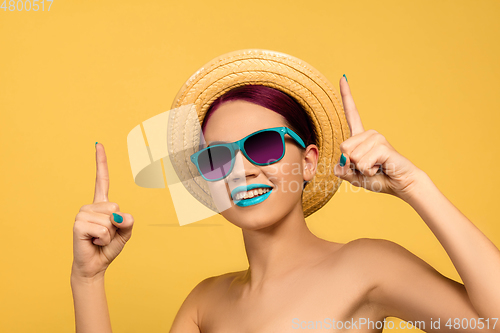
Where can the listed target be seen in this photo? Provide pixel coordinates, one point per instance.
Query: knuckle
(372, 131)
(363, 167)
(103, 232)
(114, 207)
(78, 226)
(382, 149)
(80, 216)
(85, 208)
(380, 137)
(344, 146)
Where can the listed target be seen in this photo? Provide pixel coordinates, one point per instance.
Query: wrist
(418, 187)
(80, 277)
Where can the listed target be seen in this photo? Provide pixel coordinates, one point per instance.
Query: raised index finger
(102, 176)
(351, 112)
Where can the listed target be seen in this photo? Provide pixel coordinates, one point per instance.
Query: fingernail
(117, 218)
(345, 78)
(342, 160)
(96, 143)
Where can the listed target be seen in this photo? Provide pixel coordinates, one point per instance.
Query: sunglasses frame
(240, 146)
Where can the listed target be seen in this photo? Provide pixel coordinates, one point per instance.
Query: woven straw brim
(276, 70)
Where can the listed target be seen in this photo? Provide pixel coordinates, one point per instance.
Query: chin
(249, 219)
(253, 219)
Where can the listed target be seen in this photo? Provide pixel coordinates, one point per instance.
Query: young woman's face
(235, 120)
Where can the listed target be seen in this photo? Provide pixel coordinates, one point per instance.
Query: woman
(296, 280)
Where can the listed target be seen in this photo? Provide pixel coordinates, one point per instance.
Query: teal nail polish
(96, 143)
(345, 78)
(342, 160)
(117, 218)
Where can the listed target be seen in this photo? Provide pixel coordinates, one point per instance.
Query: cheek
(220, 195)
(287, 176)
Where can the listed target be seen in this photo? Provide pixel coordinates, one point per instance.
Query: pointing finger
(351, 112)
(102, 176)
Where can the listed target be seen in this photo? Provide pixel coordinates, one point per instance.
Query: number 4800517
(26, 5)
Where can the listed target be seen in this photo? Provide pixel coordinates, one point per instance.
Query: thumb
(124, 222)
(344, 172)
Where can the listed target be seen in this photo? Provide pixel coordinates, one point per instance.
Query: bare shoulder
(376, 249)
(369, 242)
(407, 287)
(215, 284)
(187, 319)
(389, 254)
(210, 287)
(391, 259)
(381, 259)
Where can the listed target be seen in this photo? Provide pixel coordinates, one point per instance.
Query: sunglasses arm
(295, 136)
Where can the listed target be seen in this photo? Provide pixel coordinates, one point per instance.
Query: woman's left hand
(371, 162)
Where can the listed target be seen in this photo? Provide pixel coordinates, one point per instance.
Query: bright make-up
(252, 194)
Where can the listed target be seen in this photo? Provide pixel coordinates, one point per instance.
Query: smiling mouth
(244, 195)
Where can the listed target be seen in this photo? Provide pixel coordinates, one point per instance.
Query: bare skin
(297, 281)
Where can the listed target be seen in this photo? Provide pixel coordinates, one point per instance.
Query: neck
(278, 249)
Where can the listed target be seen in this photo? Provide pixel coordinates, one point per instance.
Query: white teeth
(251, 193)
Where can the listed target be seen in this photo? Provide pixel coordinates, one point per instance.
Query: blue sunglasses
(263, 147)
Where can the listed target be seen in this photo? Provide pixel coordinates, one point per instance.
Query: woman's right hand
(97, 237)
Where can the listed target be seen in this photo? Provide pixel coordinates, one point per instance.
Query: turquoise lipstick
(251, 201)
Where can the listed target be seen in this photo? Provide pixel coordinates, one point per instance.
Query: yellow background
(424, 74)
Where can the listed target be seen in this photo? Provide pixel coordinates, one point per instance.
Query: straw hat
(276, 70)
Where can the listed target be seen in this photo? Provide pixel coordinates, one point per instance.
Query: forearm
(91, 308)
(475, 257)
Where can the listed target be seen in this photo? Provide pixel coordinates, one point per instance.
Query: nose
(242, 169)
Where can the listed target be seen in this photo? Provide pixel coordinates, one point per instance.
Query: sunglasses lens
(264, 147)
(215, 162)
